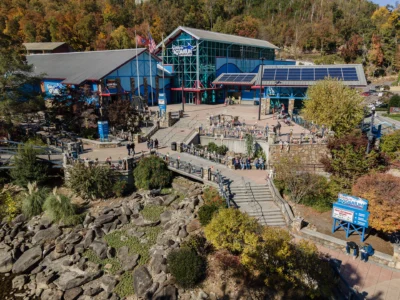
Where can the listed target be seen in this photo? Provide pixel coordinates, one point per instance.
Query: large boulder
(48, 234)
(28, 260)
(142, 281)
(104, 219)
(73, 294)
(6, 261)
(166, 292)
(99, 248)
(165, 216)
(69, 280)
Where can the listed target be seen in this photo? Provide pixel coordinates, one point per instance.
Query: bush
(212, 197)
(394, 101)
(10, 206)
(206, 213)
(187, 267)
(221, 150)
(27, 168)
(231, 229)
(390, 144)
(152, 173)
(119, 188)
(60, 209)
(33, 200)
(211, 147)
(198, 244)
(92, 182)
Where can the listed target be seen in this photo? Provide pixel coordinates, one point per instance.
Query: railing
(282, 204)
(186, 140)
(314, 168)
(253, 202)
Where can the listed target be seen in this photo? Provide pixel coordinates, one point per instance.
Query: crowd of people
(245, 163)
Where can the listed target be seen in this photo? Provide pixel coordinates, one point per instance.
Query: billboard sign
(342, 214)
(183, 50)
(350, 214)
(162, 103)
(353, 201)
(395, 110)
(103, 130)
(111, 83)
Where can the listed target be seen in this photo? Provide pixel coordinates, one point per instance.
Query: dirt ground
(323, 222)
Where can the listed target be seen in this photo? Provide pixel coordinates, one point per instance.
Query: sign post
(162, 104)
(103, 130)
(350, 213)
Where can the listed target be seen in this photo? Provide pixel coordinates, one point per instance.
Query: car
(365, 94)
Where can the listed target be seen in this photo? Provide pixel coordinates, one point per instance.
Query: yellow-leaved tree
(334, 105)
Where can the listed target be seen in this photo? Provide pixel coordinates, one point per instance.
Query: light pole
(370, 135)
(183, 83)
(261, 76)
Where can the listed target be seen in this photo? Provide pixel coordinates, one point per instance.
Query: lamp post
(261, 76)
(370, 135)
(183, 83)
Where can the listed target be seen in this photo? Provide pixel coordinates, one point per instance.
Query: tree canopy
(383, 194)
(334, 105)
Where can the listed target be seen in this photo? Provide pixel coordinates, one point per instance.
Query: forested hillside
(355, 30)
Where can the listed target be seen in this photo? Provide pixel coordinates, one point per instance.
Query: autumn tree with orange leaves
(383, 194)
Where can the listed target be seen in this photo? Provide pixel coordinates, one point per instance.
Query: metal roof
(218, 37)
(42, 46)
(300, 83)
(76, 67)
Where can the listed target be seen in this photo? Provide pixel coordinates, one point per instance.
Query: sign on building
(183, 50)
(111, 83)
(103, 130)
(350, 213)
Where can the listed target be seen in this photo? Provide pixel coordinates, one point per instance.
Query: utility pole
(370, 135)
(183, 83)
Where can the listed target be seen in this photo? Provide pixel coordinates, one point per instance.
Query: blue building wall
(237, 65)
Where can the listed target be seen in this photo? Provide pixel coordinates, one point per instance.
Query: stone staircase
(178, 132)
(256, 201)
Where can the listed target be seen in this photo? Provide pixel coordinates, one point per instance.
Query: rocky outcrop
(142, 281)
(28, 260)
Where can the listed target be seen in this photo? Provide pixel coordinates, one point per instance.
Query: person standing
(156, 144)
(151, 144)
(266, 130)
(128, 147)
(133, 148)
(148, 144)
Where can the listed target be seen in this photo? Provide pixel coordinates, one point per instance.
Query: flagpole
(137, 66)
(162, 57)
(151, 76)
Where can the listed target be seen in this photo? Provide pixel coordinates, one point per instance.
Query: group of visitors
(364, 251)
(245, 163)
(131, 148)
(152, 144)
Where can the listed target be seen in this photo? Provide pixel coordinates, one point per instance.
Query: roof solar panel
(307, 74)
(281, 74)
(294, 74)
(269, 74)
(350, 74)
(224, 78)
(335, 73)
(321, 73)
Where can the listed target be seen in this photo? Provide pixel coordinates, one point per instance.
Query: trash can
(74, 154)
(173, 146)
(179, 147)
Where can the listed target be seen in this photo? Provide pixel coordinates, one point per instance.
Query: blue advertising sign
(103, 130)
(350, 213)
(353, 201)
(162, 104)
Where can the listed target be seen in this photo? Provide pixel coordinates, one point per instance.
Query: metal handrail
(285, 208)
(256, 205)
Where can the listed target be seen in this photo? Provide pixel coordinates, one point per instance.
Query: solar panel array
(237, 78)
(309, 74)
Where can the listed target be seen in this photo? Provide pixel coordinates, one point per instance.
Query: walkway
(370, 279)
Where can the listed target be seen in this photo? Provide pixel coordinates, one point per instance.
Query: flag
(141, 41)
(152, 44)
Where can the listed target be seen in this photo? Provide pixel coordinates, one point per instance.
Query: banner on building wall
(183, 50)
(111, 83)
(162, 103)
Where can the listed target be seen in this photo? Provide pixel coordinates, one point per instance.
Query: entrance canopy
(296, 76)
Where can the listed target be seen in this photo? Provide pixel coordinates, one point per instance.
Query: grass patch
(394, 117)
(167, 191)
(116, 265)
(133, 243)
(152, 212)
(180, 198)
(124, 287)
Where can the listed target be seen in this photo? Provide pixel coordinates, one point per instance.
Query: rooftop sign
(183, 50)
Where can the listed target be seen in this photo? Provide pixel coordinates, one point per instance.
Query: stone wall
(309, 154)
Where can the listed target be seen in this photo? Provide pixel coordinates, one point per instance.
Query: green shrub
(92, 182)
(390, 144)
(221, 150)
(152, 173)
(33, 200)
(211, 147)
(27, 168)
(152, 212)
(119, 188)
(60, 209)
(206, 213)
(10, 205)
(212, 197)
(187, 267)
(198, 244)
